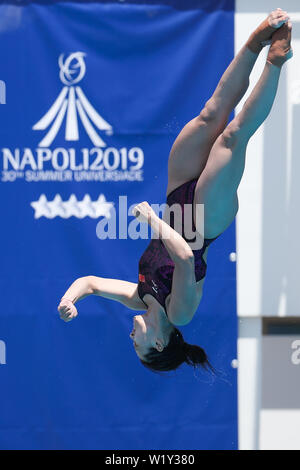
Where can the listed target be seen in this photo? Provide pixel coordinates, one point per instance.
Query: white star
(41, 207)
(86, 207)
(56, 207)
(102, 207)
(71, 207)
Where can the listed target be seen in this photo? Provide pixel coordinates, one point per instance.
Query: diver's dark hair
(176, 353)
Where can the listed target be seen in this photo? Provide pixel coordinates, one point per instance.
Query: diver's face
(143, 335)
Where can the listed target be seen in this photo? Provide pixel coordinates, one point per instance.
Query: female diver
(206, 164)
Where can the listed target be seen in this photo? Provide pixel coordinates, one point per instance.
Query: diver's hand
(67, 310)
(277, 18)
(143, 212)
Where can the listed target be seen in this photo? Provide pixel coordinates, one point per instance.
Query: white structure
(268, 255)
(2, 352)
(2, 92)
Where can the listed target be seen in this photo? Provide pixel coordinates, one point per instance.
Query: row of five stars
(72, 207)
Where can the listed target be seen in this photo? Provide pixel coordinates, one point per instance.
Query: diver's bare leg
(218, 183)
(191, 149)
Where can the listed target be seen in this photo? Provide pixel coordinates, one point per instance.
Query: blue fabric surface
(149, 68)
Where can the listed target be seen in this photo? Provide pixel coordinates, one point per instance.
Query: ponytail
(195, 355)
(176, 353)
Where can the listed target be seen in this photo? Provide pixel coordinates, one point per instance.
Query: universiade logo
(72, 116)
(72, 103)
(2, 352)
(2, 92)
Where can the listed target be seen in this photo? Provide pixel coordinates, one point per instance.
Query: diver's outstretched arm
(121, 291)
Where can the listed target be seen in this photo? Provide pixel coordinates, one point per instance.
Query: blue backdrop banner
(96, 93)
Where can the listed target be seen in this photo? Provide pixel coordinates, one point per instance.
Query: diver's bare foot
(263, 34)
(280, 50)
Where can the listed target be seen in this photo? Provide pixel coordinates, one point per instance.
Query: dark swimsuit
(155, 266)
